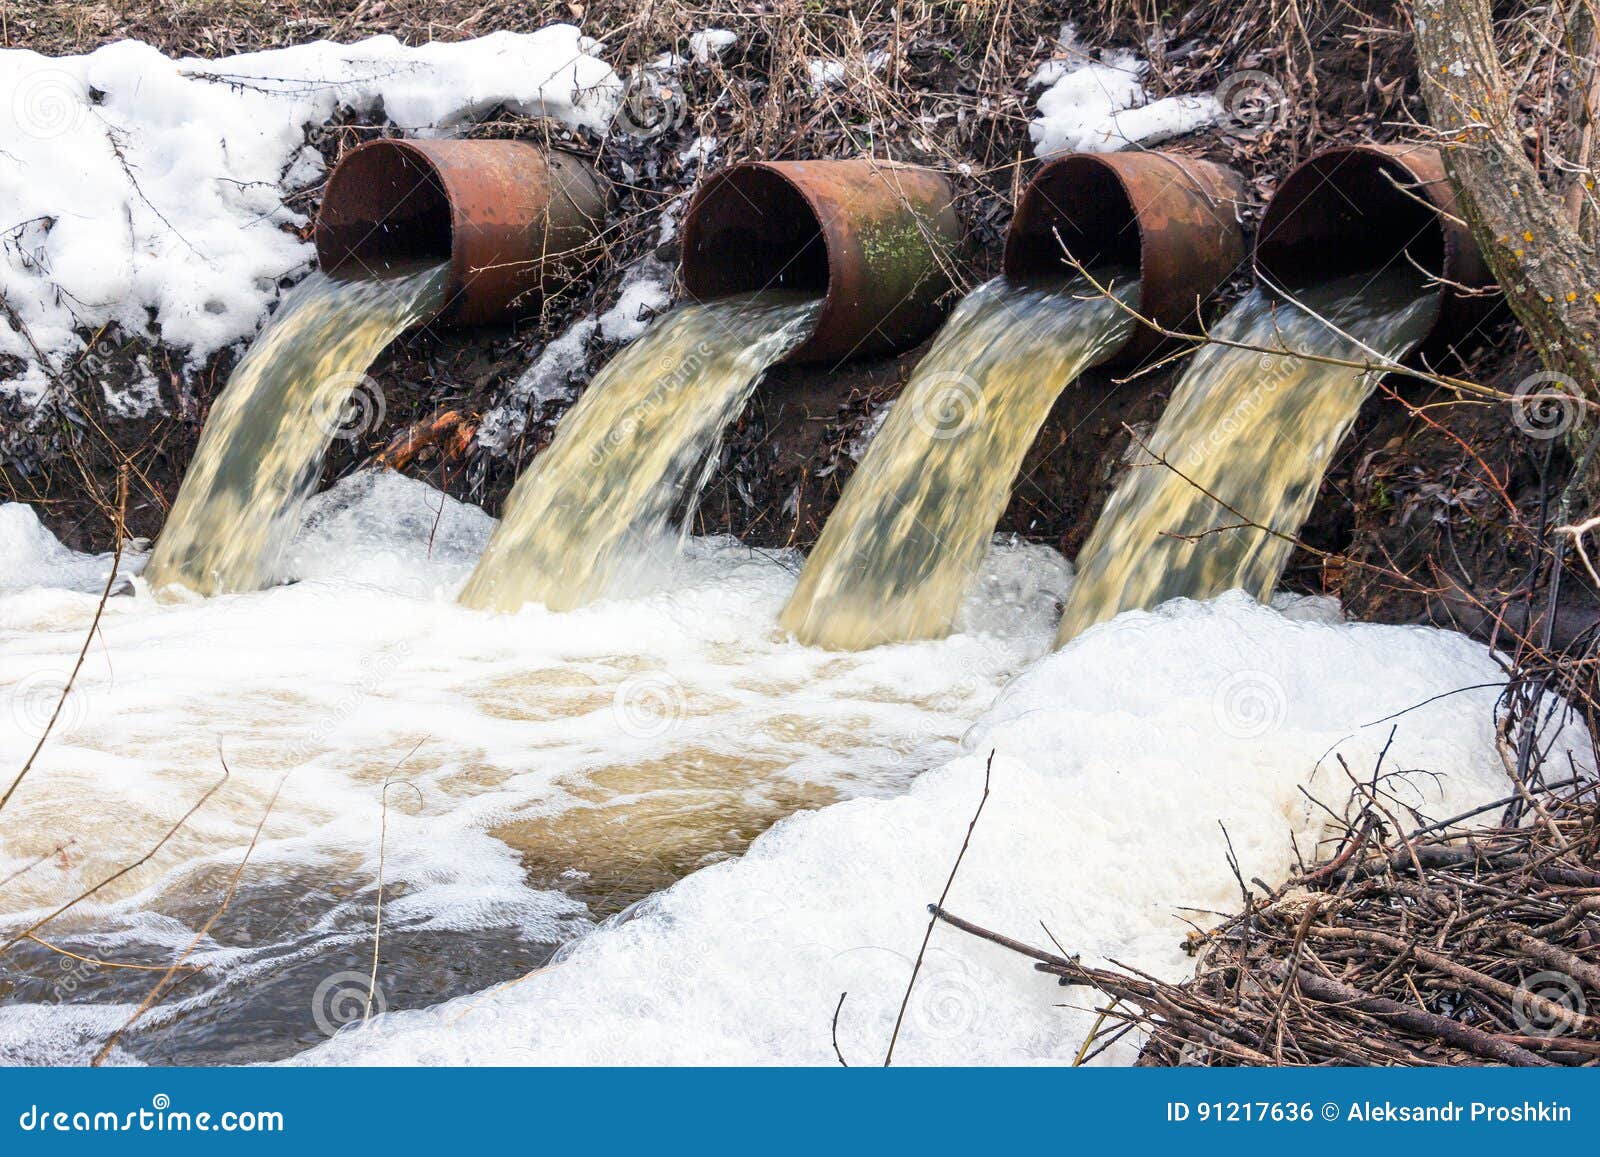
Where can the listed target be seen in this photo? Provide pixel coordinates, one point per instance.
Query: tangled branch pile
(1400, 949)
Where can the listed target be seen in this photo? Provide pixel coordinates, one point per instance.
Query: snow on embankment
(1102, 106)
(158, 194)
(1119, 761)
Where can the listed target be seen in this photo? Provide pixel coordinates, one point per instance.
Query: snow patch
(825, 74)
(709, 45)
(141, 186)
(547, 381)
(30, 556)
(1101, 106)
(700, 152)
(645, 292)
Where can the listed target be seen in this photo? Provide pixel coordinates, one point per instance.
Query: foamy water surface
(544, 771)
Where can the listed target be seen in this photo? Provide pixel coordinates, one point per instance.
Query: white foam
(1120, 763)
(329, 685)
(30, 556)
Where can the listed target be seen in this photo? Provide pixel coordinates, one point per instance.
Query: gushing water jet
(911, 531)
(801, 260)
(1363, 259)
(469, 231)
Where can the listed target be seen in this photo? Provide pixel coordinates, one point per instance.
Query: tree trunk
(1530, 236)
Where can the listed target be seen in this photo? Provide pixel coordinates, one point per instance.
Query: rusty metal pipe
(1367, 207)
(876, 237)
(1173, 217)
(514, 220)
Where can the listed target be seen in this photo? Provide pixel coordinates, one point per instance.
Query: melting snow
(134, 182)
(712, 43)
(1101, 106)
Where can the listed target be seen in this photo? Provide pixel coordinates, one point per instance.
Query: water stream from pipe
(600, 495)
(301, 384)
(1248, 429)
(912, 527)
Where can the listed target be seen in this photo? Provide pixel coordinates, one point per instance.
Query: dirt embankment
(1419, 489)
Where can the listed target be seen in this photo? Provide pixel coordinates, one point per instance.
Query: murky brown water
(911, 529)
(1257, 430)
(300, 386)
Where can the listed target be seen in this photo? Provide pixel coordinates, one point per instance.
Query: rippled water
(546, 770)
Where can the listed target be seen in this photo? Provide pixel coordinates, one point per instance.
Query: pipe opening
(1341, 213)
(1173, 218)
(756, 230)
(1085, 204)
(383, 206)
(873, 238)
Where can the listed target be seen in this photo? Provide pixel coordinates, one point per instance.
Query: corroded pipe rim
(696, 221)
(511, 217)
(1173, 217)
(1356, 207)
(843, 225)
(348, 168)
